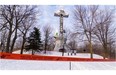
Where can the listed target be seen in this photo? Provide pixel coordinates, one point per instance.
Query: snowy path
(54, 65)
(94, 65)
(32, 65)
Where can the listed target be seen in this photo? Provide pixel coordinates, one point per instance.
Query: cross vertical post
(61, 14)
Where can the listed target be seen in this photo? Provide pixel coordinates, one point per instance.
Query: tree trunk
(13, 42)
(45, 48)
(105, 51)
(22, 47)
(32, 52)
(8, 42)
(46, 42)
(91, 51)
(90, 46)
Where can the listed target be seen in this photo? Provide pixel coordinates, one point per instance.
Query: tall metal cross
(61, 14)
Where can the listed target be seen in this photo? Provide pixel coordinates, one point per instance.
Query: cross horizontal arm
(61, 14)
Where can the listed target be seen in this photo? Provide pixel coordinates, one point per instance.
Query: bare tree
(27, 23)
(68, 34)
(92, 20)
(84, 22)
(3, 39)
(104, 29)
(73, 45)
(7, 14)
(24, 30)
(12, 16)
(71, 41)
(47, 32)
(18, 43)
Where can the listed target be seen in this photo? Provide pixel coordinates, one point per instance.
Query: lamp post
(61, 14)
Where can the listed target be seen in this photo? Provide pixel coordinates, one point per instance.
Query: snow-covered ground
(54, 65)
(54, 53)
(6, 64)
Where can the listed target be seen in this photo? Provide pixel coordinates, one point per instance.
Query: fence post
(70, 65)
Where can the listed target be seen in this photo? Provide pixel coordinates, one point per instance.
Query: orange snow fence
(47, 58)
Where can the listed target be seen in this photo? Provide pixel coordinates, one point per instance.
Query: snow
(55, 53)
(32, 65)
(54, 65)
(94, 66)
(8, 64)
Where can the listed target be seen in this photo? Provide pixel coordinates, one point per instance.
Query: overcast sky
(47, 16)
